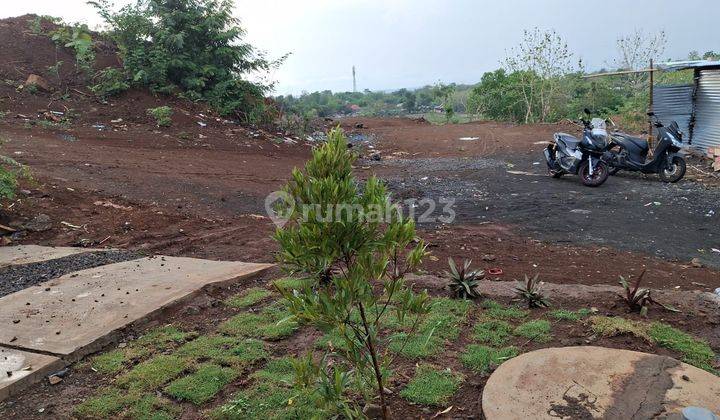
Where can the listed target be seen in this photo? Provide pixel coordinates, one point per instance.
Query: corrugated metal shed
(674, 103)
(706, 132)
(690, 64)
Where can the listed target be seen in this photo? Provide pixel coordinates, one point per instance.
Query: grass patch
(431, 386)
(248, 298)
(152, 342)
(494, 332)
(274, 322)
(484, 359)
(614, 326)
(494, 310)
(333, 341)
(201, 386)
(153, 373)
(277, 370)
(415, 346)
(119, 403)
(291, 283)
(225, 351)
(695, 352)
(537, 330)
(566, 315)
(266, 400)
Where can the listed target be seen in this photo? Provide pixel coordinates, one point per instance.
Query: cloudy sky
(410, 43)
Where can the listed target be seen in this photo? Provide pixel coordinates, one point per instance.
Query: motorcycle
(632, 153)
(582, 157)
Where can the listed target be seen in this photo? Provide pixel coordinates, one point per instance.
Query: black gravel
(18, 277)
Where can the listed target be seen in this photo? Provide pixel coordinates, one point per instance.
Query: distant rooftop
(690, 64)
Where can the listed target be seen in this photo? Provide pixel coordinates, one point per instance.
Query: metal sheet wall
(674, 103)
(706, 132)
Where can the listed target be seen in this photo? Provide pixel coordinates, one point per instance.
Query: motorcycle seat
(640, 143)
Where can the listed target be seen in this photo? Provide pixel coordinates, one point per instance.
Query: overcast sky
(410, 43)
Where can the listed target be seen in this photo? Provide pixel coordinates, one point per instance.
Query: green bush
(193, 48)
(162, 115)
(110, 82)
(79, 39)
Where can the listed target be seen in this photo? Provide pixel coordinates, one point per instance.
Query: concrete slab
(76, 314)
(596, 382)
(26, 254)
(19, 369)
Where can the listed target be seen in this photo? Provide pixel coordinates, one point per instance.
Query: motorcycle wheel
(599, 176)
(674, 171)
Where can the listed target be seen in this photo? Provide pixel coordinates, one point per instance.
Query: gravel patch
(18, 277)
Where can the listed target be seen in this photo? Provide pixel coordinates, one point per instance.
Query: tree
(354, 249)
(636, 50)
(540, 60)
(193, 48)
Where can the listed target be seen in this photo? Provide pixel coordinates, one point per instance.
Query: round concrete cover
(596, 382)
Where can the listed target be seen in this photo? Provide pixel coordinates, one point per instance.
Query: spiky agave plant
(464, 282)
(639, 299)
(530, 291)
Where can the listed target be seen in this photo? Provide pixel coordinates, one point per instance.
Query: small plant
(162, 115)
(639, 299)
(530, 292)
(79, 39)
(54, 70)
(464, 282)
(109, 82)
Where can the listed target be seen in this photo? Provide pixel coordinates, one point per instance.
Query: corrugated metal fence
(674, 103)
(707, 110)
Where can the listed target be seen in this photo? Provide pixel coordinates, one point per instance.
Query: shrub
(162, 115)
(79, 39)
(193, 48)
(337, 239)
(464, 282)
(530, 291)
(109, 82)
(10, 171)
(639, 299)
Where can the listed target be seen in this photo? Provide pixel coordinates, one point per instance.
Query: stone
(39, 223)
(596, 382)
(39, 81)
(372, 411)
(19, 369)
(696, 262)
(54, 380)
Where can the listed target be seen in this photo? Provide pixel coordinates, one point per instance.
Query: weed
(494, 331)
(639, 299)
(464, 282)
(494, 310)
(248, 298)
(109, 82)
(566, 315)
(201, 386)
(226, 351)
(162, 115)
(274, 322)
(695, 352)
(530, 292)
(431, 386)
(483, 359)
(614, 326)
(79, 39)
(537, 330)
(153, 373)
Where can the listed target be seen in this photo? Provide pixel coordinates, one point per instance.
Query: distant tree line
(540, 80)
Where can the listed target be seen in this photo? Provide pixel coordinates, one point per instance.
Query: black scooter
(630, 153)
(580, 156)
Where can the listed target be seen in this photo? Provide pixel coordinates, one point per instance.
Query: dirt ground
(151, 190)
